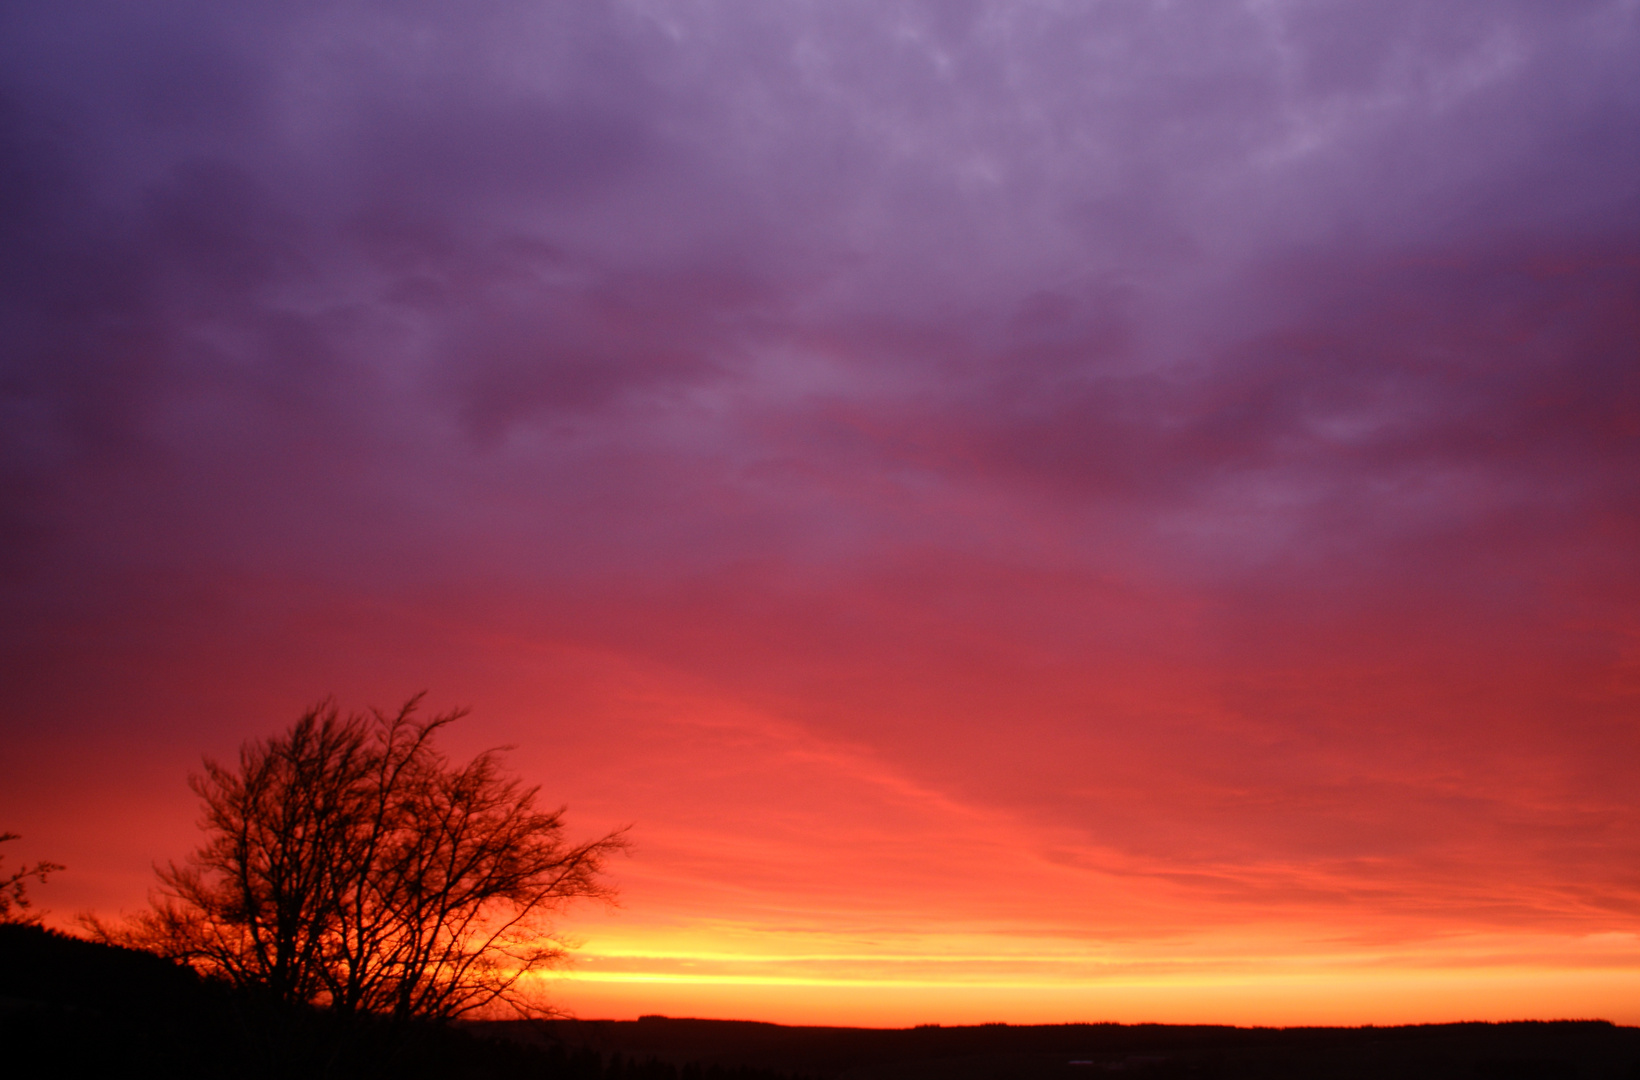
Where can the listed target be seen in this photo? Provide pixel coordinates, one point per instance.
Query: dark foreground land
(1517, 1051)
(71, 1008)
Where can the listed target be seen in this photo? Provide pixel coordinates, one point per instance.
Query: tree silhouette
(349, 863)
(14, 901)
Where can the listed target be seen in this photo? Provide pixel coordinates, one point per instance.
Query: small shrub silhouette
(14, 902)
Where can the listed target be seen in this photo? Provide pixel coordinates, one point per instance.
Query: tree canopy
(349, 862)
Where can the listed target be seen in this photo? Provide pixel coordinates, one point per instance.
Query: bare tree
(14, 901)
(349, 863)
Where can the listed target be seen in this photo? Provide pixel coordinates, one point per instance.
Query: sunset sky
(1033, 511)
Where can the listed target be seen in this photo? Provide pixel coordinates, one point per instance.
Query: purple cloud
(849, 352)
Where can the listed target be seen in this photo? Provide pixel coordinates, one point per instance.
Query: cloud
(1208, 434)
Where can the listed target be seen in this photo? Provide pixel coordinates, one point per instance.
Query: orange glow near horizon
(792, 872)
(1320, 990)
(1253, 975)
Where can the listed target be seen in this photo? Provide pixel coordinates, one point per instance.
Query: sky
(1032, 511)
